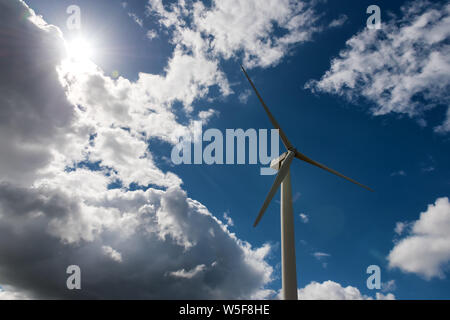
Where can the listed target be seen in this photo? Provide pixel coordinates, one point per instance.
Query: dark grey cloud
(34, 259)
(157, 244)
(34, 108)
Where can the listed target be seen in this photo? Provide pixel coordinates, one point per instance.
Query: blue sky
(399, 153)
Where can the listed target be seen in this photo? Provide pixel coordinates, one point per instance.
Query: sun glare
(79, 49)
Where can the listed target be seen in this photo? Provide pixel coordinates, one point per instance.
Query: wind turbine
(283, 178)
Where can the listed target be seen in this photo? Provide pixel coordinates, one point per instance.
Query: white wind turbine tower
(283, 178)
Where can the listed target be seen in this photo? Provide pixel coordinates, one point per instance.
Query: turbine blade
(283, 137)
(284, 169)
(301, 156)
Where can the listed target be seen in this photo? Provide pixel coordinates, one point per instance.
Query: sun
(79, 49)
(79, 55)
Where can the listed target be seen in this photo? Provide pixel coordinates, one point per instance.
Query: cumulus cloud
(154, 231)
(402, 68)
(330, 290)
(188, 77)
(128, 156)
(29, 118)
(67, 133)
(229, 28)
(380, 296)
(426, 249)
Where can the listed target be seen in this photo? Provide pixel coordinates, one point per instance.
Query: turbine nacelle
(275, 164)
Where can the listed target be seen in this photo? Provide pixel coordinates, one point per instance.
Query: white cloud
(243, 96)
(330, 290)
(228, 219)
(402, 68)
(187, 78)
(304, 218)
(205, 115)
(380, 296)
(320, 255)
(400, 227)
(227, 28)
(121, 115)
(426, 249)
(128, 156)
(136, 19)
(113, 254)
(339, 21)
(152, 34)
(388, 286)
(188, 274)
